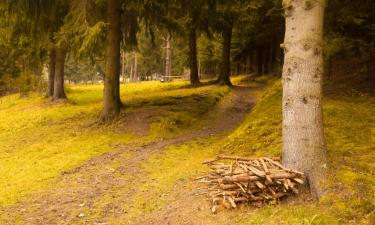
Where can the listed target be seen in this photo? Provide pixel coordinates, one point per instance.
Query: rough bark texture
(224, 77)
(194, 76)
(111, 99)
(51, 72)
(58, 88)
(304, 147)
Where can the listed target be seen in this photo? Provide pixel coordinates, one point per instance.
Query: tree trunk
(329, 67)
(194, 76)
(259, 61)
(224, 77)
(304, 147)
(266, 59)
(131, 73)
(168, 57)
(271, 64)
(111, 98)
(135, 66)
(58, 88)
(123, 66)
(199, 69)
(51, 72)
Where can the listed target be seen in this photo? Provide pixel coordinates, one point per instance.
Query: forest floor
(141, 169)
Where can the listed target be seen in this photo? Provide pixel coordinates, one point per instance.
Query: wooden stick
(240, 158)
(264, 166)
(282, 167)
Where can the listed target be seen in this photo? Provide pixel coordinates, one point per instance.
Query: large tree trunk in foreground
(111, 98)
(58, 88)
(194, 75)
(51, 72)
(224, 77)
(304, 146)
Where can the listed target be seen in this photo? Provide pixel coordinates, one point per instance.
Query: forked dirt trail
(73, 196)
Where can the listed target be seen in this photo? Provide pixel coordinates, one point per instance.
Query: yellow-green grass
(350, 139)
(349, 131)
(39, 140)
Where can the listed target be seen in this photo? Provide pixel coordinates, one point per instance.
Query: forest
(187, 112)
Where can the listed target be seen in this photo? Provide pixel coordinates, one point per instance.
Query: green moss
(40, 140)
(260, 134)
(350, 145)
(288, 214)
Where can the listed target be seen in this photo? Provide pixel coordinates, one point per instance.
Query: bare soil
(75, 193)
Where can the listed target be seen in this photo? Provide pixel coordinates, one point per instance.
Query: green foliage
(349, 28)
(92, 38)
(84, 70)
(209, 53)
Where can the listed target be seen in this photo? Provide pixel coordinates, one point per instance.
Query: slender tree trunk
(329, 67)
(194, 76)
(111, 98)
(266, 59)
(51, 72)
(123, 66)
(259, 61)
(131, 73)
(168, 57)
(271, 56)
(199, 69)
(135, 66)
(304, 145)
(224, 77)
(58, 88)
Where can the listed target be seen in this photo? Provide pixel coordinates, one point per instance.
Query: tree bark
(135, 66)
(224, 77)
(168, 56)
(58, 88)
(194, 76)
(111, 98)
(259, 61)
(271, 64)
(51, 72)
(304, 147)
(123, 66)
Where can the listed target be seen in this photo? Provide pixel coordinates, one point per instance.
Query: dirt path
(74, 194)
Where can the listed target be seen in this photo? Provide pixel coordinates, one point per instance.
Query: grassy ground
(350, 140)
(34, 152)
(348, 119)
(40, 140)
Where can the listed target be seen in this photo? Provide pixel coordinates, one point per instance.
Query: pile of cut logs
(234, 180)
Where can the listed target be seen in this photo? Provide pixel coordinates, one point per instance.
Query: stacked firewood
(235, 180)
